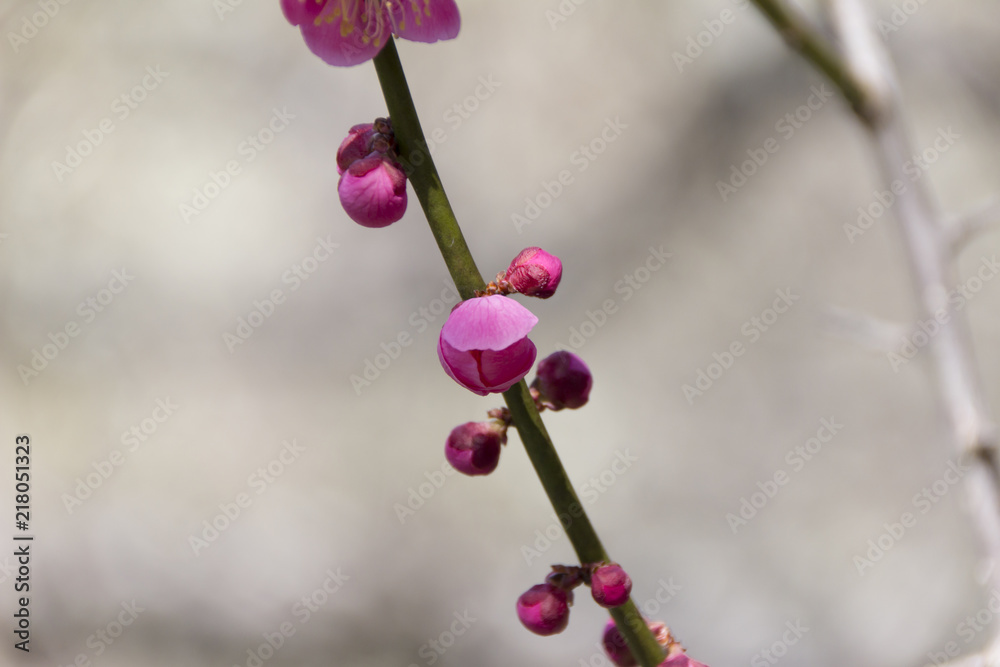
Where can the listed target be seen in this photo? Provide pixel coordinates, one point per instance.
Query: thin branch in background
(864, 73)
(865, 330)
(962, 229)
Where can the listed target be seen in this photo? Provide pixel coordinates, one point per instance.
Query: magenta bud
(373, 191)
(474, 447)
(563, 380)
(544, 609)
(356, 146)
(610, 585)
(535, 272)
(617, 649)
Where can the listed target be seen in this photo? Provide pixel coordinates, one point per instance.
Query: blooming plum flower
(484, 345)
(474, 447)
(544, 609)
(349, 32)
(534, 272)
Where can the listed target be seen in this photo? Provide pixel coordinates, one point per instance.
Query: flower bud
(474, 447)
(356, 146)
(610, 585)
(563, 381)
(617, 649)
(535, 272)
(544, 609)
(373, 191)
(484, 344)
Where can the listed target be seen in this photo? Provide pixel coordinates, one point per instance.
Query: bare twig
(962, 229)
(866, 330)
(805, 39)
(865, 76)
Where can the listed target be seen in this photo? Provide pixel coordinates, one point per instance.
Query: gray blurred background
(437, 586)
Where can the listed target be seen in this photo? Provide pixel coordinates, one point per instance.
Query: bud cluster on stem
(523, 413)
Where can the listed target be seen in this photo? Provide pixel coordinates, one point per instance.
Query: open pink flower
(484, 344)
(348, 32)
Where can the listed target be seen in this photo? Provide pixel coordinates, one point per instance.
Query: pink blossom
(348, 32)
(484, 344)
(373, 191)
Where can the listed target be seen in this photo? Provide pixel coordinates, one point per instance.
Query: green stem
(419, 166)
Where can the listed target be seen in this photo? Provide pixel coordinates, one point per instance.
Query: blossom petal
(373, 192)
(345, 41)
(487, 323)
(462, 367)
(298, 12)
(425, 20)
(503, 369)
(489, 371)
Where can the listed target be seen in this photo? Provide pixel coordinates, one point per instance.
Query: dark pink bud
(298, 12)
(474, 447)
(373, 191)
(356, 146)
(616, 648)
(484, 345)
(535, 272)
(544, 609)
(563, 381)
(610, 585)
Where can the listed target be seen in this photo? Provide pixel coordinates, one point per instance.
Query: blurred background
(235, 464)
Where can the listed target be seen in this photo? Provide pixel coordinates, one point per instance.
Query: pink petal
(489, 371)
(298, 12)
(503, 369)
(345, 43)
(462, 367)
(487, 323)
(356, 146)
(373, 192)
(425, 20)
